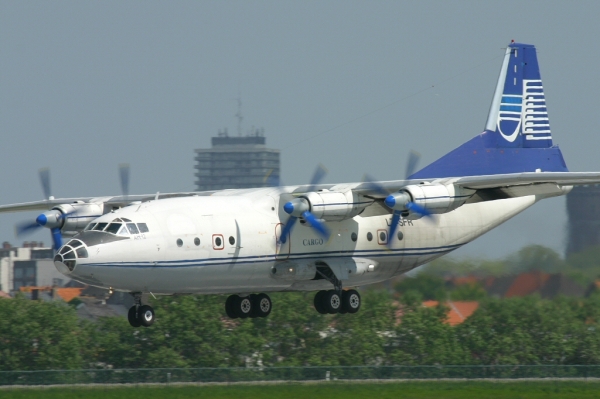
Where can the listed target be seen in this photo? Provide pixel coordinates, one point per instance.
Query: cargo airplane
(329, 238)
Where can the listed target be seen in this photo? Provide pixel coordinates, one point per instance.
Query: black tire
(132, 317)
(318, 302)
(254, 303)
(243, 307)
(351, 301)
(331, 301)
(261, 305)
(230, 306)
(146, 315)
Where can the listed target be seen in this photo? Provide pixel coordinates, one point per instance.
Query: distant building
(237, 162)
(30, 265)
(583, 209)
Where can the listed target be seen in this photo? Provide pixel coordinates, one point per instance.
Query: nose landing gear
(140, 315)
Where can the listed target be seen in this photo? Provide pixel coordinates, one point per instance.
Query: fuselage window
(369, 236)
(100, 226)
(231, 240)
(382, 236)
(400, 236)
(113, 228)
(143, 227)
(132, 228)
(217, 241)
(179, 242)
(196, 241)
(354, 237)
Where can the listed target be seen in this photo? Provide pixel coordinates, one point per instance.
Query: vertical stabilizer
(517, 135)
(518, 114)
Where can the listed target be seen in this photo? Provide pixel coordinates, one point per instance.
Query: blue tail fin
(517, 134)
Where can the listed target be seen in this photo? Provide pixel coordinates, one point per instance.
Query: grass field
(332, 390)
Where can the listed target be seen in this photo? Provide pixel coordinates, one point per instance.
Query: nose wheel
(254, 305)
(140, 315)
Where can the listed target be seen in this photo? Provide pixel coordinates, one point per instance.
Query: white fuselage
(238, 249)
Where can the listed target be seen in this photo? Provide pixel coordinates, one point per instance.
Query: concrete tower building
(583, 209)
(237, 162)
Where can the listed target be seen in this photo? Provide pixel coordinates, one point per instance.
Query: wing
(528, 178)
(117, 201)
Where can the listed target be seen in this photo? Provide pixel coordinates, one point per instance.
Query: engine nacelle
(78, 215)
(336, 206)
(436, 198)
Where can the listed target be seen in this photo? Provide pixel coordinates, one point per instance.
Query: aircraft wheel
(243, 307)
(331, 301)
(230, 306)
(146, 315)
(318, 302)
(351, 301)
(132, 317)
(261, 305)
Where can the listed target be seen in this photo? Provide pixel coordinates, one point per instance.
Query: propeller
(124, 178)
(45, 180)
(300, 207)
(52, 219)
(401, 201)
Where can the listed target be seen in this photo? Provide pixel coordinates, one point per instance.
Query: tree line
(192, 331)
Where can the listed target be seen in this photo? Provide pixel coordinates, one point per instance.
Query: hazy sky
(354, 85)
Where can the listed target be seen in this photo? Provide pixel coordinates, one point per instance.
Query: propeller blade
(372, 184)
(287, 229)
(124, 178)
(319, 174)
(316, 224)
(393, 227)
(413, 160)
(416, 208)
(45, 180)
(22, 229)
(56, 238)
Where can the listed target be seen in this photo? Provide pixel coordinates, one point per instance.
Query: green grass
(333, 390)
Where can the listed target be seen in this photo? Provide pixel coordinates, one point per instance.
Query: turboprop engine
(330, 206)
(429, 198)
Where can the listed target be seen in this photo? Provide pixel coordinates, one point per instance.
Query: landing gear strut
(254, 305)
(140, 315)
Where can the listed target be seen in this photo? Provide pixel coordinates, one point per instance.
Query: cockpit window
(143, 228)
(126, 220)
(75, 243)
(100, 226)
(132, 228)
(113, 228)
(82, 253)
(90, 226)
(123, 231)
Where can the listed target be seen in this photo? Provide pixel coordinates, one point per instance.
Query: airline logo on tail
(518, 113)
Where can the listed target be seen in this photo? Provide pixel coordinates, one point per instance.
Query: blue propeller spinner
(300, 207)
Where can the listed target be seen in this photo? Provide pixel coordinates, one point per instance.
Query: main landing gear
(140, 315)
(254, 305)
(333, 302)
